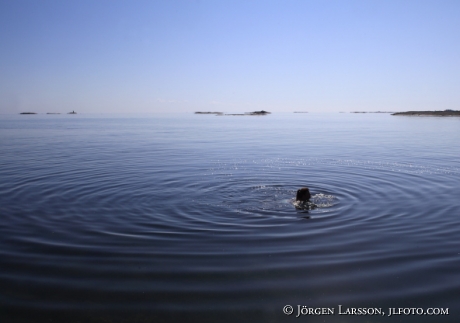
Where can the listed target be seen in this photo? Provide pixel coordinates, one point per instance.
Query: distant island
(300, 111)
(257, 113)
(254, 113)
(445, 113)
(28, 113)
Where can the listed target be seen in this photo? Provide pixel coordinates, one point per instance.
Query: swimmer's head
(303, 194)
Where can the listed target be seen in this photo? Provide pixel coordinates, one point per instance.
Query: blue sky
(233, 56)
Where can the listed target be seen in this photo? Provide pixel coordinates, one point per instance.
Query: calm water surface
(190, 217)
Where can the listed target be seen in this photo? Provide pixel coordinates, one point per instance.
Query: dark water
(190, 218)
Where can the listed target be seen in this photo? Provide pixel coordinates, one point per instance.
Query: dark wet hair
(303, 194)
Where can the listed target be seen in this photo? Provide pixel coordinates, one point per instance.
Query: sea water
(162, 218)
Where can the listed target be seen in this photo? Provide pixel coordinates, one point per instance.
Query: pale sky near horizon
(232, 56)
